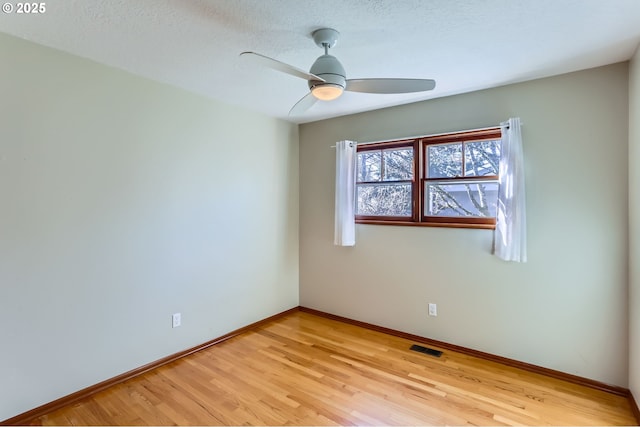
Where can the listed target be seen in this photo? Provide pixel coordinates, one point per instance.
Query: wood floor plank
(304, 369)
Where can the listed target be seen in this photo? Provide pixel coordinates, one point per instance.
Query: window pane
(369, 166)
(398, 164)
(445, 160)
(384, 199)
(482, 158)
(470, 199)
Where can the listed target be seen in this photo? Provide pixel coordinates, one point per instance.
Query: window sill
(426, 224)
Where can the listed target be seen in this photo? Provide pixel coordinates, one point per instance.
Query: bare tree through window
(450, 196)
(385, 182)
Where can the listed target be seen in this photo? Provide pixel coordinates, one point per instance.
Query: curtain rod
(506, 125)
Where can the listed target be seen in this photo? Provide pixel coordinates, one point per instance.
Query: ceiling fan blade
(303, 105)
(279, 66)
(390, 85)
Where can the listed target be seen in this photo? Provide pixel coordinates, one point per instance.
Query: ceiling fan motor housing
(330, 69)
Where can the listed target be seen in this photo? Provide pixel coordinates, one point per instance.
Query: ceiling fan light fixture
(332, 72)
(327, 91)
(327, 78)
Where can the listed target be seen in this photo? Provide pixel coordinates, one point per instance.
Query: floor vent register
(426, 350)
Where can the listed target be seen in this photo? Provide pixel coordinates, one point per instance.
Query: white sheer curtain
(510, 238)
(345, 219)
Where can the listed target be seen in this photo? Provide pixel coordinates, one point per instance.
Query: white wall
(124, 201)
(634, 226)
(566, 309)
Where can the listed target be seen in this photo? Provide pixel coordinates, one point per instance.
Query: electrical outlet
(433, 309)
(176, 320)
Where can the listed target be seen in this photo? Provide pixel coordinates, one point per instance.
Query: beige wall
(634, 226)
(565, 309)
(124, 201)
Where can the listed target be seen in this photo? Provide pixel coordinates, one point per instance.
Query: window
(444, 180)
(385, 181)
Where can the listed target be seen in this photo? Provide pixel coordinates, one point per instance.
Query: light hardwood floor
(308, 370)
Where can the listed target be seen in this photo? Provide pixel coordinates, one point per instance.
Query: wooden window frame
(420, 168)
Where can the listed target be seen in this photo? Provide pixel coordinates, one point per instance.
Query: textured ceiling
(463, 45)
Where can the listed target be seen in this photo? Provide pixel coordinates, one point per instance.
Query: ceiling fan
(327, 78)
